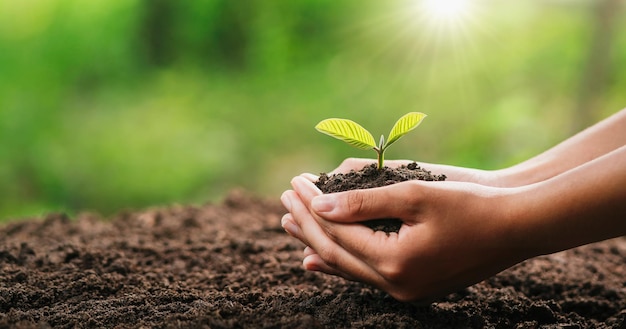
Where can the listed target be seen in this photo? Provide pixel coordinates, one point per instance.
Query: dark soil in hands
(232, 266)
(369, 177)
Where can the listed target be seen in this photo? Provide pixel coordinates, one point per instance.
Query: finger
(290, 226)
(374, 248)
(369, 247)
(312, 261)
(315, 263)
(308, 251)
(285, 200)
(289, 221)
(379, 255)
(305, 189)
(332, 254)
(310, 177)
(394, 201)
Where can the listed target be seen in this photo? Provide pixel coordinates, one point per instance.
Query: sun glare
(446, 11)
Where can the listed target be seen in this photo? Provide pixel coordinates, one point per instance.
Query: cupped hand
(453, 234)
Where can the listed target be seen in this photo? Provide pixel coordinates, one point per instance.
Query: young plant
(357, 136)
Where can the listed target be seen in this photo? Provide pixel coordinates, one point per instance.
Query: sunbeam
(446, 11)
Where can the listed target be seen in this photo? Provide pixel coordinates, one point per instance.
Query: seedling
(357, 136)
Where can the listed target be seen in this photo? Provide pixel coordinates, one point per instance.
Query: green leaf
(405, 124)
(347, 131)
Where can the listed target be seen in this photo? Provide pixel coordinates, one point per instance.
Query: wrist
(541, 224)
(519, 175)
(516, 235)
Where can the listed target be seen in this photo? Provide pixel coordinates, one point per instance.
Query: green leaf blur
(108, 105)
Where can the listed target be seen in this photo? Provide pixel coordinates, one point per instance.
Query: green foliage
(111, 104)
(405, 124)
(357, 136)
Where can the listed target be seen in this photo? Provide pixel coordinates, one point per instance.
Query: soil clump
(370, 177)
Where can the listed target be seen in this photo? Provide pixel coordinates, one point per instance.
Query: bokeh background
(122, 104)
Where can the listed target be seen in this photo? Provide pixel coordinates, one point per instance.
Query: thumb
(394, 201)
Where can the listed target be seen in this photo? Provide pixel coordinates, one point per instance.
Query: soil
(369, 177)
(230, 265)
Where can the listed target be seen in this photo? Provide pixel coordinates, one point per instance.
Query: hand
(453, 235)
(469, 227)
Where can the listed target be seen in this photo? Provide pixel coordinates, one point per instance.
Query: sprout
(357, 136)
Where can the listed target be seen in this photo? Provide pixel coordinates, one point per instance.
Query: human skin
(459, 232)
(585, 146)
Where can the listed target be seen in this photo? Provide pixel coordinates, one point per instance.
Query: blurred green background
(123, 104)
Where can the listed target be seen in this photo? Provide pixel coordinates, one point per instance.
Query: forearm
(587, 145)
(583, 205)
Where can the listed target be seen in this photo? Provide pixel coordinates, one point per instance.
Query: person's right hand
(453, 234)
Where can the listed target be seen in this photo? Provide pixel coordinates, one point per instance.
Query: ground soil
(369, 177)
(230, 265)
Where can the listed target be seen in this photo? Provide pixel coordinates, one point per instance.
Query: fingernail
(289, 226)
(323, 203)
(286, 201)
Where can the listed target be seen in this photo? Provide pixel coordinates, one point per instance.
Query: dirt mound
(370, 176)
(232, 266)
